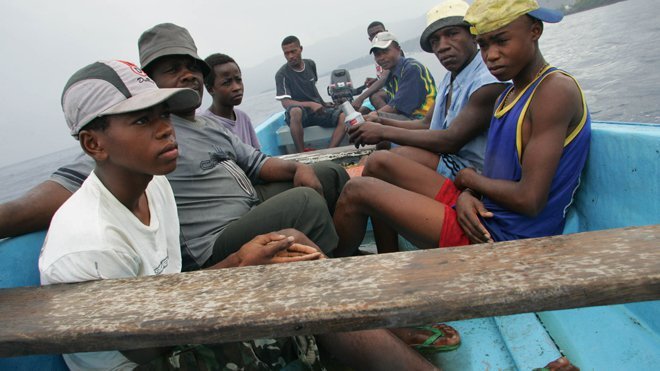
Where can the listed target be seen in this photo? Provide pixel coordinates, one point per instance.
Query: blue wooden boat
(619, 188)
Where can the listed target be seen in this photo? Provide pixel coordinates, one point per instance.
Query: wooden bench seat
(568, 271)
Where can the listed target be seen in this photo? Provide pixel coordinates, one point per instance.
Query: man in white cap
(458, 124)
(410, 85)
(374, 92)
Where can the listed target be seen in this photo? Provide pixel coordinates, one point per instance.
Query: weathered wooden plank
(595, 268)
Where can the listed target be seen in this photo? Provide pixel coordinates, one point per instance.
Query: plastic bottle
(351, 116)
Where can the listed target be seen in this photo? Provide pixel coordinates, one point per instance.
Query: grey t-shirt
(212, 183)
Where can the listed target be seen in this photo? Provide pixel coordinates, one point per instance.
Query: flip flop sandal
(427, 347)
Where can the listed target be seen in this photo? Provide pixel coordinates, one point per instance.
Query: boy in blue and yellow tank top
(536, 149)
(539, 135)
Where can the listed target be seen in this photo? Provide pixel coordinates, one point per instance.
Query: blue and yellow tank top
(503, 161)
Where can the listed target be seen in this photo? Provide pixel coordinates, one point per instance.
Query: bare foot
(561, 364)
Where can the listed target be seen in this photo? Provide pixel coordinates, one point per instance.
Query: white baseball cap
(382, 40)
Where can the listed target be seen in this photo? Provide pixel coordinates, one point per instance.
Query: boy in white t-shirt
(123, 221)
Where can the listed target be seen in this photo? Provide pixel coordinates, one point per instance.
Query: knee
(295, 114)
(331, 174)
(377, 163)
(354, 191)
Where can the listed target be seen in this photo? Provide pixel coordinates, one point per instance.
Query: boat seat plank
(407, 288)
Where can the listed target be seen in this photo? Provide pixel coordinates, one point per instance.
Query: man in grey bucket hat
(168, 39)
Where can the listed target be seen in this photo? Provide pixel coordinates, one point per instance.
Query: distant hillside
(582, 5)
(410, 46)
(350, 50)
(556, 4)
(330, 54)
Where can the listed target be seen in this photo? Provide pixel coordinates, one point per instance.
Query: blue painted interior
(18, 267)
(619, 188)
(267, 134)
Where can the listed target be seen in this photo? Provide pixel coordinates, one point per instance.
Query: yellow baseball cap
(489, 15)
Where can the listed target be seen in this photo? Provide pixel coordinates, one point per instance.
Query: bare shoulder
(559, 90)
(557, 100)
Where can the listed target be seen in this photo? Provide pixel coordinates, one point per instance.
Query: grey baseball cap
(112, 87)
(168, 39)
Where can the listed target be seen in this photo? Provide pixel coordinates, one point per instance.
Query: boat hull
(619, 188)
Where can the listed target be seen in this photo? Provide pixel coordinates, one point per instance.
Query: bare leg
(352, 223)
(403, 172)
(416, 217)
(424, 157)
(406, 205)
(378, 99)
(295, 124)
(373, 350)
(364, 110)
(388, 167)
(338, 134)
(386, 238)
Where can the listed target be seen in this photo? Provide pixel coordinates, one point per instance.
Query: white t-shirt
(93, 236)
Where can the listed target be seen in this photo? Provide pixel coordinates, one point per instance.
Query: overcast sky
(44, 42)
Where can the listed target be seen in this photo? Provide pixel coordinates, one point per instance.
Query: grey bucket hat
(448, 13)
(168, 39)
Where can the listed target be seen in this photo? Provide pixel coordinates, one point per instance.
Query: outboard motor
(341, 87)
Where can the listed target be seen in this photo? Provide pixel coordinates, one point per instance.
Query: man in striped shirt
(410, 85)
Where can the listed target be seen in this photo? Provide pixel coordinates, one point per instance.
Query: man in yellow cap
(539, 134)
(538, 139)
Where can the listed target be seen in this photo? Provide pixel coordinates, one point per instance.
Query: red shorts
(452, 234)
